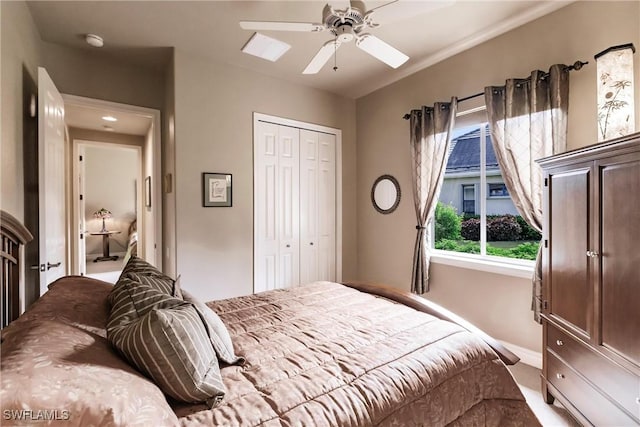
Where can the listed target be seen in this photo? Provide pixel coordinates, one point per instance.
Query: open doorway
(115, 181)
(111, 208)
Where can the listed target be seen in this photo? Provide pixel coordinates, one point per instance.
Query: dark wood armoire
(591, 282)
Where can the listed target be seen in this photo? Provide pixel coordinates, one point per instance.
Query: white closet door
(266, 223)
(287, 211)
(327, 206)
(277, 223)
(309, 198)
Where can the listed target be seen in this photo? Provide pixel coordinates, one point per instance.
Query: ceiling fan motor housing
(344, 24)
(344, 33)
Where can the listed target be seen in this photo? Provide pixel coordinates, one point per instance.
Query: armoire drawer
(599, 410)
(620, 384)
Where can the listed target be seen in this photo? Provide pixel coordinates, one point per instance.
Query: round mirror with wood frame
(385, 194)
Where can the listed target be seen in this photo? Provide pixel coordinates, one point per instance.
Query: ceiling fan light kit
(346, 25)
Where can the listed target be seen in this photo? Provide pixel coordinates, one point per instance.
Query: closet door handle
(311, 243)
(288, 245)
(559, 376)
(560, 342)
(592, 254)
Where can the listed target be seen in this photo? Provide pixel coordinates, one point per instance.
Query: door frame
(156, 181)
(83, 143)
(260, 117)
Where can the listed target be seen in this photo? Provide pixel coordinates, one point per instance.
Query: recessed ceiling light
(94, 40)
(109, 118)
(265, 47)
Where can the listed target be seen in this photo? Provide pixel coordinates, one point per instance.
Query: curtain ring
(419, 227)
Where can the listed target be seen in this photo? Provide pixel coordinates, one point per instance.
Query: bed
(322, 354)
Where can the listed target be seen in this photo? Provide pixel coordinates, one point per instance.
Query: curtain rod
(576, 66)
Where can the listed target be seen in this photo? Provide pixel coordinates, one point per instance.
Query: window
(475, 213)
(498, 190)
(469, 199)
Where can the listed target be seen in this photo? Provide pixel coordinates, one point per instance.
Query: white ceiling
(91, 118)
(428, 31)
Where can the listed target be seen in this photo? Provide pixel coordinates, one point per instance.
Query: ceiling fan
(346, 25)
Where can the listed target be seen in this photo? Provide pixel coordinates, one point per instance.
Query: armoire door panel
(571, 294)
(620, 258)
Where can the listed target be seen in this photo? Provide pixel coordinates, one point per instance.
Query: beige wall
(214, 106)
(20, 47)
(500, 304)
(94, 74)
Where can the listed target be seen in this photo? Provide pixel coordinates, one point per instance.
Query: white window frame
(482, 262)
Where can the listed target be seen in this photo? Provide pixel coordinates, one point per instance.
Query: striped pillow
(141, 271)
(220, 338)
(165, 338)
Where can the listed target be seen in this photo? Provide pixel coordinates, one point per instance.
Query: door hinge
(81, 197)
(546, 182)
(81, 236)
(546, 243)
(80, 158)
(545, 305)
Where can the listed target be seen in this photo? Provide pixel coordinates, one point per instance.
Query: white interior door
(327, 207)
(266, 237)
(51, 191)
(288, 199)
(276, 205)
(309, 242)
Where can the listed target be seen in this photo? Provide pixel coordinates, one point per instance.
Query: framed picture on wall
(216, 189)
(147, 191)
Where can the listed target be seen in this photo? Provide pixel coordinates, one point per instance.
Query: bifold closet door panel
(309, 204)
(277, 206)
(327, 207)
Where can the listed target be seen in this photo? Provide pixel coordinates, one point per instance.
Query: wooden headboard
(13, 236)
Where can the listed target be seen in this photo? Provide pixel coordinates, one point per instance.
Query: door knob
(50, 266)
(559, 376)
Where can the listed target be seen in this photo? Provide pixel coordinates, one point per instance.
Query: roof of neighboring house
(464, 153)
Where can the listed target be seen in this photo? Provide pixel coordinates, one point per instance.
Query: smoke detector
(94, 40)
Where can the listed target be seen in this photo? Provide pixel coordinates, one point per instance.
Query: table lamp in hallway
(102, 214)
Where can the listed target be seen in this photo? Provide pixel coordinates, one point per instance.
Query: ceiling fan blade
(321, 58)
(381, 50)
(281, 26)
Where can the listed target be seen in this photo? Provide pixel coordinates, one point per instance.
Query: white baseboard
(527, 356)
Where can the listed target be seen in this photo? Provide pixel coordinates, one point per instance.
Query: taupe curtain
(528, 121)
(431, 129)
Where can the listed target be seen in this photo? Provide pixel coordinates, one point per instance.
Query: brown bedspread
(327, 355)
(318, 355)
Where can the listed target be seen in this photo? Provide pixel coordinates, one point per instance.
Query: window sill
(514, 268)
